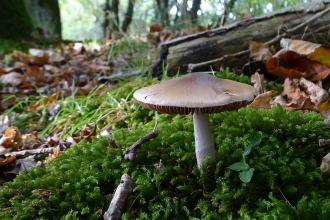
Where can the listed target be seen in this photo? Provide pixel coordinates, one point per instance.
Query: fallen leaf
(7, 160)
(12, 138)
(314, 51)
(263, 100)
(258, 82)
(289, 64)
(317, 94)
(260, 51)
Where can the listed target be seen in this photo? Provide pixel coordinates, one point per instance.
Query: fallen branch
(123, 190)
(22, 153)
(131, 151)
(193, 66)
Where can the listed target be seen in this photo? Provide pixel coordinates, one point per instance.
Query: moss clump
(286, 169)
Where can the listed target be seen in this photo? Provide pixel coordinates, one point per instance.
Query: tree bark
(15, 22)
(115, 20)
(194, 9)
(162, 6)
(128, 16)
(46, 15)
(310, 21)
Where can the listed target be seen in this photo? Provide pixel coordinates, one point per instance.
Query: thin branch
(285, 197)
(118, 201)
(131, 151)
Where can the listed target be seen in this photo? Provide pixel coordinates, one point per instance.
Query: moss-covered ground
(287, 182)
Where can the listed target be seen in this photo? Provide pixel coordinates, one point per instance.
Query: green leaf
(254, 142)
(238, 166)
(246, 175)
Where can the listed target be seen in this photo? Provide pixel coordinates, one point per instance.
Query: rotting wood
(118, 201)
(310, 21)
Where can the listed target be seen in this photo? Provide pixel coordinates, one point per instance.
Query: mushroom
(199, 94)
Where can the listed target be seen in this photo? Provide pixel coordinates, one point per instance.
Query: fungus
(199, 94)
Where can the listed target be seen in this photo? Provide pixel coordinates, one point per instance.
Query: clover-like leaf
(254, 142)
(246, 175)
(238, 166)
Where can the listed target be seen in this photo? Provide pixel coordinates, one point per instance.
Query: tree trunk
(46, 15)
(115, 18)
(162, 6)
(234, 38)
(15, 21)
(193, 12)
(128, 16)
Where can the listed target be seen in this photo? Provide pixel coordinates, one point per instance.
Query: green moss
(75, 185)
(286, 168)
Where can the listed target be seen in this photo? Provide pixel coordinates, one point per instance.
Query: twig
(131, 151)
(192, 66)
(285, 197)
(32, 152)
(118, 201)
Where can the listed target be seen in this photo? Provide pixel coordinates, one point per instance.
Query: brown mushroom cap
(193, 92)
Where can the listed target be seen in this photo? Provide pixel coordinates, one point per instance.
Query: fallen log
(309, 21)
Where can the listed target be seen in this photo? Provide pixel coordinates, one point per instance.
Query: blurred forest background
(97, 19)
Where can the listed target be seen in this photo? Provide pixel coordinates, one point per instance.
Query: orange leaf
(8, 160)
(289, 64)
(263, 100)
(12, 138)
(313, 51)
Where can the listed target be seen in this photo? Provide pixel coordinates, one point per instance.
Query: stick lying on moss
(123, 190)
(131, 151)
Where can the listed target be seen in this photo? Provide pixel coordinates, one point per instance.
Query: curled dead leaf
(12, 138)
(7, 160)
(263, 100)
(258, 82)
(289, 64)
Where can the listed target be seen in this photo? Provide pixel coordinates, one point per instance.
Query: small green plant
(245, 171)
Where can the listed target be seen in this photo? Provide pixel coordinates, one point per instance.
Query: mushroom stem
(203, 138)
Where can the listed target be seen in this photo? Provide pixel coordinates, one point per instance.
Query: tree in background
(128, 16)
(15, 21)
(46, 15)
(163, 8)
(111, 22)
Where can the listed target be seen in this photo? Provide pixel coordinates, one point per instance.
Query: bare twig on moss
(131, 151)
(285, 197)
(32, 152)
(118, 201)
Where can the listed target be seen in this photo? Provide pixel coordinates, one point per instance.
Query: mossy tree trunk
(46, 15)
(15, 22)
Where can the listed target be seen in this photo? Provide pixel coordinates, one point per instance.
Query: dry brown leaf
(292, 91)
(258, 82)
(12, 138)
(289, 64)
(263, 100)
(7, 160)
(260, 51)
(317, 94)
(313, 51)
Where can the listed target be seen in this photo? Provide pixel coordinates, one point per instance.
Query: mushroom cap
(195, 92)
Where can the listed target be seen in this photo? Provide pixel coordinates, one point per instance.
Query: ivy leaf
(254, 142)
(238, 166)
(246, 175)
